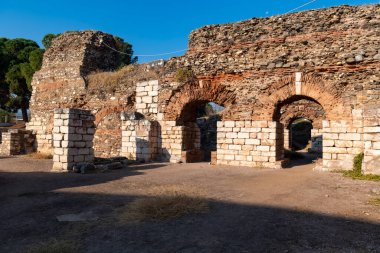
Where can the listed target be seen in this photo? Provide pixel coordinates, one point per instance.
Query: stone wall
(342, 141)
(249, 143)
(140, 140)
(73, 136)
(16, 142)
(320, 64)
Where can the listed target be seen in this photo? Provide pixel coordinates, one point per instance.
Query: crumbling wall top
(75, 54)
(306, 22)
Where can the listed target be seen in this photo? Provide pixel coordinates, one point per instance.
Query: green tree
(4, 63)
(20, 58)
(126, 58)
(48, 39)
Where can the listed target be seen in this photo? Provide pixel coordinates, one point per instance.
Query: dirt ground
(290, 210)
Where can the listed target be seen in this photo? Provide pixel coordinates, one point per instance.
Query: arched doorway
(300, 134)
(199, 119)
(301, 139)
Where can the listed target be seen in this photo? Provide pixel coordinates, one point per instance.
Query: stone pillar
(147, 97)
(170, 141)
(73, 136)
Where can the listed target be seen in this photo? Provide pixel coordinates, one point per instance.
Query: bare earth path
(293, 210)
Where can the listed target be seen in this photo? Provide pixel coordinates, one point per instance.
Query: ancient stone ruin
(320, 65)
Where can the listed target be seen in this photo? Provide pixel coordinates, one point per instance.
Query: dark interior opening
(300, 134)
(200, 120)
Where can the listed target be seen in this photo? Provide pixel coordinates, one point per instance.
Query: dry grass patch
(40, 155)
(54, 246)
(166, 202)
(125, 77)
(375, 201)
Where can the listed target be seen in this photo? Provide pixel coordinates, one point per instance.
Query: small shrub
(356, 172)
(54, 246)
(166, 202)
(184, 75)
(358, 161)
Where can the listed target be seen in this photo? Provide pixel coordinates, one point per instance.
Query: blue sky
(152, 27)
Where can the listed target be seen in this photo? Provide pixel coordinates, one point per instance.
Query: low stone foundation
(16, 142)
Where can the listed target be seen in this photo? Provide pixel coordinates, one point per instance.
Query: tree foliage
(127, 56)
(48, 39)
(19, 59)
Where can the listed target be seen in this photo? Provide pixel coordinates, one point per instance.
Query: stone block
(350, 136)
(57, 137)
(79, 158)
(330, 136)
(243, 135)
(229, 157)
(229, 123)
(234, 147)
(263, 148)
(328, 143)
(343, 144)
(147, 100)
(238, 141)
(252, 142)
(375, 129)
(231, 135)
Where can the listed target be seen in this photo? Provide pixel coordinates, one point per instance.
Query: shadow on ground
(29, 217)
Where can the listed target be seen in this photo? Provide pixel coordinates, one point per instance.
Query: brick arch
(109, 110)
(314, 88)
(193, 94)
(302, 109)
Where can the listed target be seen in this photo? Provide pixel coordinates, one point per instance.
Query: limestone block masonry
(147, 97)
(248, 143)
(73, 135)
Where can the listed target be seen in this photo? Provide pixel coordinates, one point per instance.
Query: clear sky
(151, 26)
